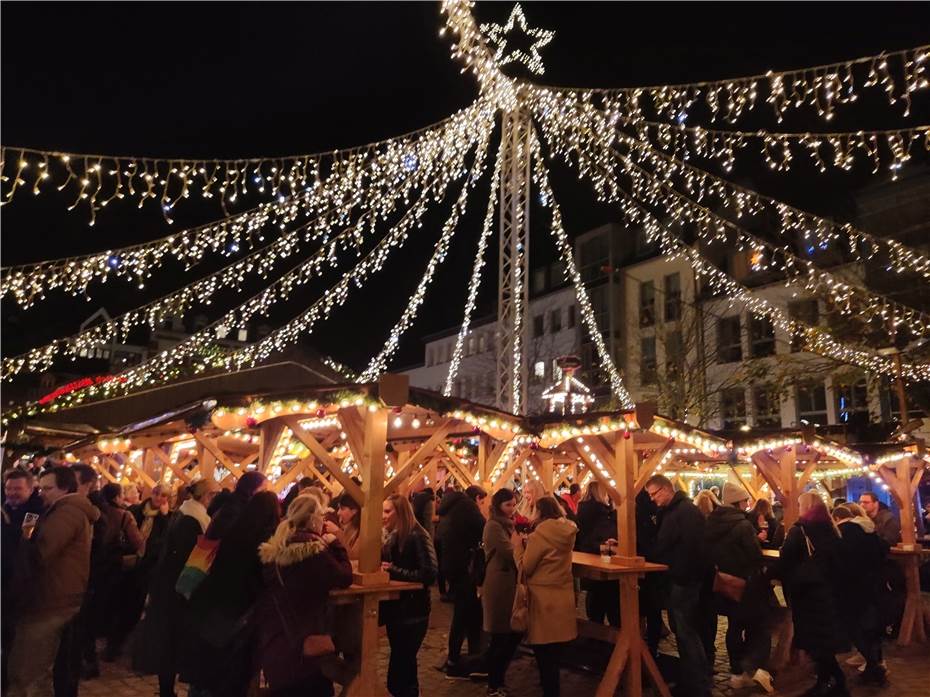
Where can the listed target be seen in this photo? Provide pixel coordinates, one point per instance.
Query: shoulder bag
(519, 615)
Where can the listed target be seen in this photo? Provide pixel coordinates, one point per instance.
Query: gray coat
(500, 579)
(887, 526)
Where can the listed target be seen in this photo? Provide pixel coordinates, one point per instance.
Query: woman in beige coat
(500, 582)
(547, 564)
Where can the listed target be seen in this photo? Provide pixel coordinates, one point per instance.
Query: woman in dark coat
(221, 644)
(165, 621)
(597, 524)
(301, 566)
(812, 572)
(407, 556)
(770, 532)
(865, 554)
(500, 583)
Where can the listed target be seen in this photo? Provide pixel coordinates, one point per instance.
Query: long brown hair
(406, 520)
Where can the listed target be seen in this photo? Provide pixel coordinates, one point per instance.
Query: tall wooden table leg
(368, 683)
(913, 627)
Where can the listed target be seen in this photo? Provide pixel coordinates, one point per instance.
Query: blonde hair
(526, 508)
(597, 491)
(706, 501)
(317, 493)
(406, 520)
(304, 513)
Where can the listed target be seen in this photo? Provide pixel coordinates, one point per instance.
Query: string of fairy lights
(634, 146)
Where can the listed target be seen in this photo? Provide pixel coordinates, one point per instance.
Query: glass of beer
(29, 524)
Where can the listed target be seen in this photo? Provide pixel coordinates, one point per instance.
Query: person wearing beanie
(734, 549)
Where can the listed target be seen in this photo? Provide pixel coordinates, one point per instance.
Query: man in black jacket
(679, 544)
(461, 529)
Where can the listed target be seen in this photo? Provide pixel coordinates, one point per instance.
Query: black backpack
(477, 565)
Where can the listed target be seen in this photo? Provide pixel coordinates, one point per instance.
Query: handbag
(197, 566)
(313, 645)
(519, 614)
(477, 565)
(729, 586)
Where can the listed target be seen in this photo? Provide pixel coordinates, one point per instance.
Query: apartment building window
(243, 335)
(647, 304)
(647, 360)
(571, 317)
(852, 403)
(761, 337)
(766, 407)
(555, 320)
(812, 403)
(539, 325)
(672, 297)
(429, 356)
(729, 341)
(471, 345)
(733, 407)
(556, 369)
(595, 255)
(674, 355)
(539, 281)
(482, 343)
(598, 297)
(539, 370)
(805, 312)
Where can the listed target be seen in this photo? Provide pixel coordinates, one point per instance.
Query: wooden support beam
(373, 439)
(593, 469)
(460, 471)
(269, 434)
(519, 458)
(648, 466)
(483, 452)
(106, 474)
(428, 448)
(293, 473)
(325, 459)
(546, 471)
(211, 446)
(806, 474)
(788, 463)
(768, 468)
(624, 462)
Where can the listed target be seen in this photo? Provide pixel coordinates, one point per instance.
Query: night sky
(244, 79)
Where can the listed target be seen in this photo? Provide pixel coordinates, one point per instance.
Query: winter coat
(679, 542)
(547, 563)
(864, 554)
(460, 530)
(13, 535)
(59, 554)
(731, 543)
(152, 524)
(500, 578)
(415, 562)
(167, 615)
(887, 526)
(596, 522)
(646, 528)
(812, 585)
(295, 603)
(122, 536)
(424, 504)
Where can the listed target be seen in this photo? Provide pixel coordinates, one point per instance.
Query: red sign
(77, 385)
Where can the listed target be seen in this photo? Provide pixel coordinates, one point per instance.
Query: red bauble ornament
(251, 422)
(626, 435)
(320, 413)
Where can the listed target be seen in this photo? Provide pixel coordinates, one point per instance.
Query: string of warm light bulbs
(793, 222)
(166, 363)
(474, 282)
(849, 299)
(98, 180)
(403, 166)
(379, 363)
(820, 88)
(564, 246)
(891, 147)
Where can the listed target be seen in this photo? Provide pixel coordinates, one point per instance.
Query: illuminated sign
(77, 385)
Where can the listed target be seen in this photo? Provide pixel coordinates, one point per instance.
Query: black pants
(707, 623)
(405, 637)
(827, 668)
(748, 643)
(603, 601)
(650, 608)
(66, 675)
(547, 661)
(466, 618)
(500, 653)
(866, 634)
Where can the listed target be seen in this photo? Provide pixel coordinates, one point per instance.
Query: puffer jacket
(731, 542)
(60, 551)
(460, 528)
(679, 542)
(413, 561)
(299, 575)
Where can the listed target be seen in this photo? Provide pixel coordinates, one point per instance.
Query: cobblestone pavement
(909, 672)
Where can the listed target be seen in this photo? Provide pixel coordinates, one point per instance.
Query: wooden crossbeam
(293, 473)
(589, 461)
(518, 459)
(649, 465)
(325, 459)
(459, 470)
(269, 434)
(211, 446)
(768, 468)
(428, 448)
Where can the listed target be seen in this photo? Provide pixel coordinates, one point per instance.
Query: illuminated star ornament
(497, 33)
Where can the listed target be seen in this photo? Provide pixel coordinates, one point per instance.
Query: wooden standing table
(367, 683)
(915, 619)
(628, 654)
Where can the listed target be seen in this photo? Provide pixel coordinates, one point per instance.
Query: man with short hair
(59, 550)
(679, 544)
(887, 525)
(21, 498)
(461, 528)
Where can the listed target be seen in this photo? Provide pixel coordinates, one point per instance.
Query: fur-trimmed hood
(299, 546)
(863, 522)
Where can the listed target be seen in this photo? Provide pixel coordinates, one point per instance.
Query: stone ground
(909, 670)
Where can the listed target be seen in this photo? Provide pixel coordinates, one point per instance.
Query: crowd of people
(215, 588)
